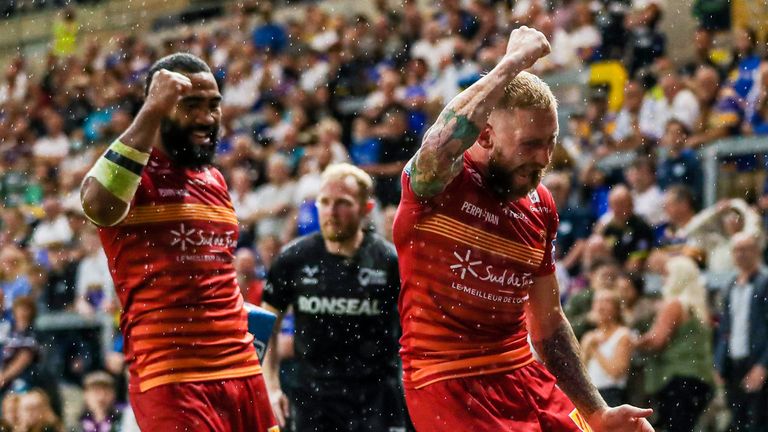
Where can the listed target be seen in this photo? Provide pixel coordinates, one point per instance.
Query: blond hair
(343, 171)
(527, 90)
(684, 283)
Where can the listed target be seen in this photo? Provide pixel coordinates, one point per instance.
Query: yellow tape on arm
(129, 152)
(119, 181)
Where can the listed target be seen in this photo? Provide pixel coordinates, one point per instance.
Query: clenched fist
(525, 46)
(165, 91)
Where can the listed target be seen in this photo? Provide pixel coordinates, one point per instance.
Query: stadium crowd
(665, 294)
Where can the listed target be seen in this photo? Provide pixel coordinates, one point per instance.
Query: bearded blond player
(474, 235)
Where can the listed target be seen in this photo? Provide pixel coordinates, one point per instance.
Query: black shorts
(362, 406)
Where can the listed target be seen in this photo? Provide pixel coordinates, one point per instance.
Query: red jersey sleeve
(552, 221)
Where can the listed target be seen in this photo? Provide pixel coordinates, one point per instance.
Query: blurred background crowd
(644, 220)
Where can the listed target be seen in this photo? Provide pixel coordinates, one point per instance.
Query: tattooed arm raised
(439, 159)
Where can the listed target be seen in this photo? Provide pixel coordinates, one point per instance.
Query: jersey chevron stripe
(485, 236)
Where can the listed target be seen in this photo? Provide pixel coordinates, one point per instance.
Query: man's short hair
(342, 171)
(682, 193)
(100, 379)
(177, 62)
(527, 90)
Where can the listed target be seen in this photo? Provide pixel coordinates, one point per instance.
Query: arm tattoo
(560, 353)
(440, 158)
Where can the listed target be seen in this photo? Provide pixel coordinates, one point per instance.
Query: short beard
(177, 142)
(502, 181)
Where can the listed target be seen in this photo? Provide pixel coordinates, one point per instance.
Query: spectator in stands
(36, 414)
(746, 61)
(395, 146)
(628, 235)
(269, 35)
(21, 350)
(647, 197)
(53, 227)
(637, 308)
(712, 228)
(741, 354)
(59, 290)
(100, 413)
(678, 372)
(94, 290)
(678, 163)
(250, 283)
(432, 46)
(274, 200)
(14, 282)
(677, 102)
(53, 147)
(10, 413)
(720, 119)
(757, 104)
(584, 36)
(645, 42)
(606, 350)
(680, 206)
(626, 133)
(575, 221)
(602, 277)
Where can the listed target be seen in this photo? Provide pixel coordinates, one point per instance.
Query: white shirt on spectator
(655, 113)
(51, 147)
(48, 232)
(244, 93)
(740, 299)
(648, 205)
(433, 54)
(315, 76)
(93, 270)
(600, 378)
(624, 128)
(244, 204)
(19, 91)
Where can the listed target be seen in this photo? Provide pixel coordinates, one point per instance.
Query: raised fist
(526, 45)
(165, 91)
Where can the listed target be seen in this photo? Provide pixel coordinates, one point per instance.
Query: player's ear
(484, 139)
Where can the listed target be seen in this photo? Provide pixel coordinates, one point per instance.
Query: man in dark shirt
(630, 237)
(679, 165)
(342, 284)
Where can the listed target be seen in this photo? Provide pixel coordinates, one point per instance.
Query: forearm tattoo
(439, 159)
(560, 353)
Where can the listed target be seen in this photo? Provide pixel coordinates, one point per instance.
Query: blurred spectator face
(11, 408)
(341, 209)
(245, 262)
(581, 15)
(677, 210)
(674, 137)
(121, 120)
(432, 31)
(707, 83)
(670, 84)
(519, 153)
(606, 307)
(12, 262)
(389, 81)
(620, 202)
(190, 134)
(743, 42)
(268, 248)
(604, 277)
(732, 222)
(702, 40)
(99, 397)
(633, 96)
(746, 252)
(33, 408)
(54, 124)
(240, 180)
(394, 124)
(23, 313)
(627, 291)
(559, 186)
(278, 169)
(639, 177)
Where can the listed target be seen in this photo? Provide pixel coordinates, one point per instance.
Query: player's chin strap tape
(119, 170)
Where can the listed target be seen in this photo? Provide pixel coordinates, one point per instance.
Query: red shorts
(522, 400)
(237, 404)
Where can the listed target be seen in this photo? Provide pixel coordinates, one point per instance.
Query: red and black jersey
(467, 260)
(171, 259)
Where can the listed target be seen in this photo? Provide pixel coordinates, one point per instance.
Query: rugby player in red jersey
(169, 231)
(474, 234)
